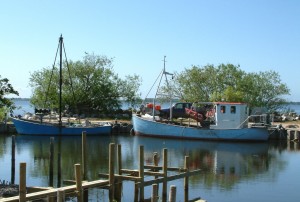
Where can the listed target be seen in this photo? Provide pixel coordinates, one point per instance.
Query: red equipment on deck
(194, 115)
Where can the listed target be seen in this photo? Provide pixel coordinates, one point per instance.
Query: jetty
(112, 181)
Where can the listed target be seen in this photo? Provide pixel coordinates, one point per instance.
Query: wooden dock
(113, 180)
(293, 134)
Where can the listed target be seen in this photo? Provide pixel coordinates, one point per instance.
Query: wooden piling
(51, 158)
(59, 162)
(118, 190)
(113, 184)
(136, 192)
(84, 163)
(50, 199)
(84, 156)
(165, 173)
(186, 179)
(297, 135)
(60, 195)
(58, 169)
(155, 163)
(172, 194)
(141, 172)
(22, 185)
(155, 159)
(119, 154)
(13, 159)
(78, 180)
(111, 171)
(154, 197)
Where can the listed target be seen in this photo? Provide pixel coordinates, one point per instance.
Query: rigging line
(158, 85)
(153, 85)
(168, 86)
(69, 72)
(163, 73)
(53, 66)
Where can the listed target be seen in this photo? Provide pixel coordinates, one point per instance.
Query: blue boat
(26, 127)
(210, 121)
(31, 127)
(221, 126)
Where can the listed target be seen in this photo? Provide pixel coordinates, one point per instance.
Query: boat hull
(33, 128)
(146, 127)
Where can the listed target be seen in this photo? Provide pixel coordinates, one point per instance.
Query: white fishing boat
(226, 121)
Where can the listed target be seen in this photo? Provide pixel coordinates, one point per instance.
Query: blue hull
(32, 128)
(147, 127)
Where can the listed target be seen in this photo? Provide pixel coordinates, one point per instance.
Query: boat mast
(162, 74)
(60, 78)
(170, 95)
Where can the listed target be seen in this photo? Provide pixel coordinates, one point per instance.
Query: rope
(53, 66)
(71, 82)
(152, 85)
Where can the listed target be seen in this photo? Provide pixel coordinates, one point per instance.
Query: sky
(257, 35)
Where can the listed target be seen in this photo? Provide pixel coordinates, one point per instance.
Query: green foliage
(6, 104)
(129, 88)
(89, 86)
(229, 83)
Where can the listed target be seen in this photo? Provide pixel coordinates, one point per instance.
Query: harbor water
(231, 172)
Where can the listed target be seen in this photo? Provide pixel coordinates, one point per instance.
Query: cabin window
(223, 109)
(232, 109)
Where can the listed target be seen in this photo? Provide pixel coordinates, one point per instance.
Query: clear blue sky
(258, 35)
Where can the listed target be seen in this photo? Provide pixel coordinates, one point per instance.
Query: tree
(89, 86)
(228, 82)
(6, 104)
(129, 90)
(264, 89)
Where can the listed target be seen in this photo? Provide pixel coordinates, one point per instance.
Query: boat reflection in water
(216, 159)
(223, 164)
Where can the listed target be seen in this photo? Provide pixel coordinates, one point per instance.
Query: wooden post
(165, 173)
(22, 185)
(172, 195)
(154, 197)
(13, 159)
(51, 157)
(118, 191)
(84, 164)
(83, 161)
(155, 159)
(155, 162)
(141, 172)
(119, 152)
(60, 195)
(59, 163)
(58, 169)
(50, 199)
(136, 193)
(78, 182)
(186, 179)
(111, 171)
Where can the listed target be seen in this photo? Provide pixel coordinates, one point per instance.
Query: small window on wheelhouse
(223, 109)
(232, 109)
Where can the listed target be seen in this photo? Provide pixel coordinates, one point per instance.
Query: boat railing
(259, 120)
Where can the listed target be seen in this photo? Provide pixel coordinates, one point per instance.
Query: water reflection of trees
(3, 143)
(223, 164)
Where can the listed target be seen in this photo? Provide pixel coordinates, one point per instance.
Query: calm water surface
(231, 171)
